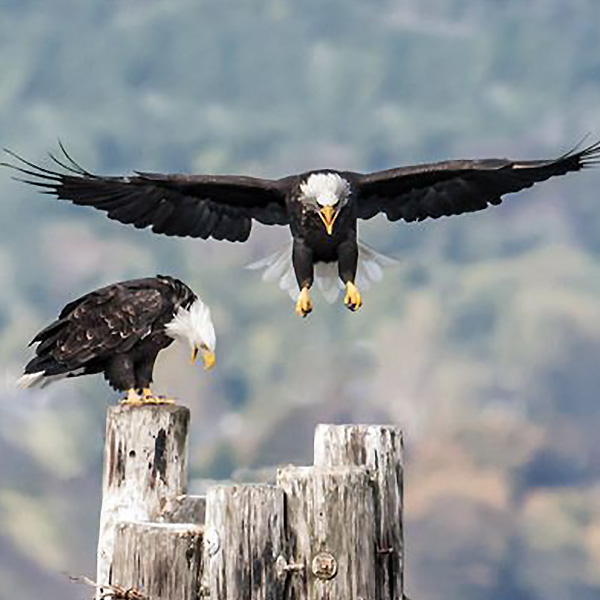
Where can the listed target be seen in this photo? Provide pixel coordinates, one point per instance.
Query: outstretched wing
(99, 324)
(458, 186)
(203, 206)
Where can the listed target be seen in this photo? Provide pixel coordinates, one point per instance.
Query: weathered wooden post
(185, 509)
(380, 450)
(331, 532)
(328, 532)
(245, 538)
(159, 560)
(145, 468)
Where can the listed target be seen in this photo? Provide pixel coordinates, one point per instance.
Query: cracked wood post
(185, 509)
(245, 543)
(331, 532)
(162, 561)
(378, 448)
(145, 468)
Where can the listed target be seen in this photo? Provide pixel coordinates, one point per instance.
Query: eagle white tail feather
(30, 380)
(39, 380)
(328, 281)
(278, 267)
(370, 266)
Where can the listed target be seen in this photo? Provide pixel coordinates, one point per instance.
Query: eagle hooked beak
(328, 215)
(208, 357)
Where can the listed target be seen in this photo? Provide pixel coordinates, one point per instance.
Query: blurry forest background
(483, 344)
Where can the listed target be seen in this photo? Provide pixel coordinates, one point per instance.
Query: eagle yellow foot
(352, 300)
(132, 399)
(304, 305)
(148, 397)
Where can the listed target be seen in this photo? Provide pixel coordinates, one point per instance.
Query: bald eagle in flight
(118, 331)
(320, 207)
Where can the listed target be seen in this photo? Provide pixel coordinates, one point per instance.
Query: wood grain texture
(185, 509)
(328, 532)
(145, 467)
(380, 449)
(163, 561)
(245, 535)
(329, 514)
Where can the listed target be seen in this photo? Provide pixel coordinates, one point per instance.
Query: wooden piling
(145, 468)
(380, 450)
(245, 536)
(331, 532)
(328, 532)
(161, 561)
(185, 509)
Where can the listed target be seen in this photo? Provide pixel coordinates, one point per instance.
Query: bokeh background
(483, 344)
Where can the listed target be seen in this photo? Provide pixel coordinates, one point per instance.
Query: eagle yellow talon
(352, 300)
(304, 305)
(132, 399)
(148, 397)
(164, 400)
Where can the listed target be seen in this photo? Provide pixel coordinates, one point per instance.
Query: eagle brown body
(321, 208)
(117, 330)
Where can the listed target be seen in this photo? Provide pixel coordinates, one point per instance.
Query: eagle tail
(370, 265)
(41, 380)
(327, 280)
(278, 267)
(30, 380)
(41, 371)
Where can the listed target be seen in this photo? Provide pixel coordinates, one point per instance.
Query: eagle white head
(326, 189)
(328, 192)
(194, 326)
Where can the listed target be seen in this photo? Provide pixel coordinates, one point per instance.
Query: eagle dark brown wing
(202, 206)
(107, 321)
(458, 186)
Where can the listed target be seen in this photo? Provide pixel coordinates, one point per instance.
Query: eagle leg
(304, 305)
(352, 300)
(132, 399)
(148, 397)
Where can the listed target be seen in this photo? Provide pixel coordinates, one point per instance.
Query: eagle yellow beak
(328, 215)
(208, 358)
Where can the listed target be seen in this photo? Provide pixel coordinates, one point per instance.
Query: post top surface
(360, 427)
(240, 488)
(155, 409)
(322, 470)
(181, 528)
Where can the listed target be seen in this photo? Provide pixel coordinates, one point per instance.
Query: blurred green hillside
(483, 344)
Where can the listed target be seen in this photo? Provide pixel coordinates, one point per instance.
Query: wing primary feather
(455, 187)
(575, 148)
(592, 153)
(68, 168)
(50, 188)
(200, 205)
(75, 164)
(39, 172)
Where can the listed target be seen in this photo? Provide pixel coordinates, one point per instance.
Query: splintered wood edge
(181, 528)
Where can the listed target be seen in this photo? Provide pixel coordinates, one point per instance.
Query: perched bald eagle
(119, 330)
(321, 207)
